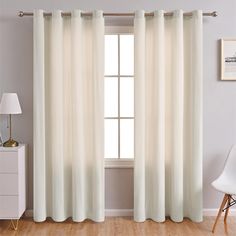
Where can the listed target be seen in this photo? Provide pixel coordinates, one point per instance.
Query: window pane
(111, 97)
(111, 54)
(126, 54)
(111, 138)
(127, 138)
(126, 97)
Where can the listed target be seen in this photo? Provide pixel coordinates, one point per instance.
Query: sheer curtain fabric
(68, 116)
(168, 116)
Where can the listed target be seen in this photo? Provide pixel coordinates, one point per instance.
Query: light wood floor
(118, 226)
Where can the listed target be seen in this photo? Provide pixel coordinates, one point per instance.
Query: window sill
(119, 164)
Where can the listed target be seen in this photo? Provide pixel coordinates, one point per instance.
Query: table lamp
(10, 105)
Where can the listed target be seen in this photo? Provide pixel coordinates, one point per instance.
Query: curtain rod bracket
(20, 13)
(214, 14)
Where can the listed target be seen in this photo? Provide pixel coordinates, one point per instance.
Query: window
(119, 98)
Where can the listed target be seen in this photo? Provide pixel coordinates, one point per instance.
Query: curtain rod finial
(214, 14)
(21, 13)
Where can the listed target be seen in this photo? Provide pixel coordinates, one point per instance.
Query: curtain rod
(22, 13)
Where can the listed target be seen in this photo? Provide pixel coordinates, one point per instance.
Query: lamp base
(10, 143)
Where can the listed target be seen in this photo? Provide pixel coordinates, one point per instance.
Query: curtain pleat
(168, 116)
(98, 115)
(158, 109)
(39, 117)
(56, 114)
(78, 118)
(69, 174)
(139, 107)
(177, 83)
(196, 76)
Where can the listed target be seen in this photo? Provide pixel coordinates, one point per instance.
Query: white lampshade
(10, 104)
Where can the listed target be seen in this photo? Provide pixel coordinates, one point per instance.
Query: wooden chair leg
(227, 210)
(220, 211)
(226, 214)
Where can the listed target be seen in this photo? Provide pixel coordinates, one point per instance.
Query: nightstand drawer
(8, 162)
(9, 207)
(8, 184)
(12, 182)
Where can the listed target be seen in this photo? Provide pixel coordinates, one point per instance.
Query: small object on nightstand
(10, 105)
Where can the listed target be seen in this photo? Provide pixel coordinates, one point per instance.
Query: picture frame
(228, 59)
(1, 141)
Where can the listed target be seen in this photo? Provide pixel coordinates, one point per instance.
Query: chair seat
(229, 188)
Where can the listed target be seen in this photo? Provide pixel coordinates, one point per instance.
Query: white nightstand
(12, 183)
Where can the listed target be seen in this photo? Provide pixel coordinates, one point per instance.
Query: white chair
(226, 183)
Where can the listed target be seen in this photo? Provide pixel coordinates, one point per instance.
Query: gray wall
(219, 119)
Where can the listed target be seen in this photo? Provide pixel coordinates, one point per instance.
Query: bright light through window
(126, 97)
(111, 54)
(119, 96)
(126, 54)
(111, 97)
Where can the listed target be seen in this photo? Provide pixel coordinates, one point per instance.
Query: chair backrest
(230, 163)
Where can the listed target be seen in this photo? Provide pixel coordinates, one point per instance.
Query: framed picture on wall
(228, 59)
(0, 139)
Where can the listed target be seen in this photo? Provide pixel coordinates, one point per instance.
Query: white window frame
(118, 162)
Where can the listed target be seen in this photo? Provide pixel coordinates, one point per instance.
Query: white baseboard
(129, 212)
(119, 212)
(29, 213)
(214, 212)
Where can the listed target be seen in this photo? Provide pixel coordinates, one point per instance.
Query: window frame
(118, 162)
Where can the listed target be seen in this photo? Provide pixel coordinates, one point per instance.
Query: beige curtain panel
(168, 116)
(68, 116)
